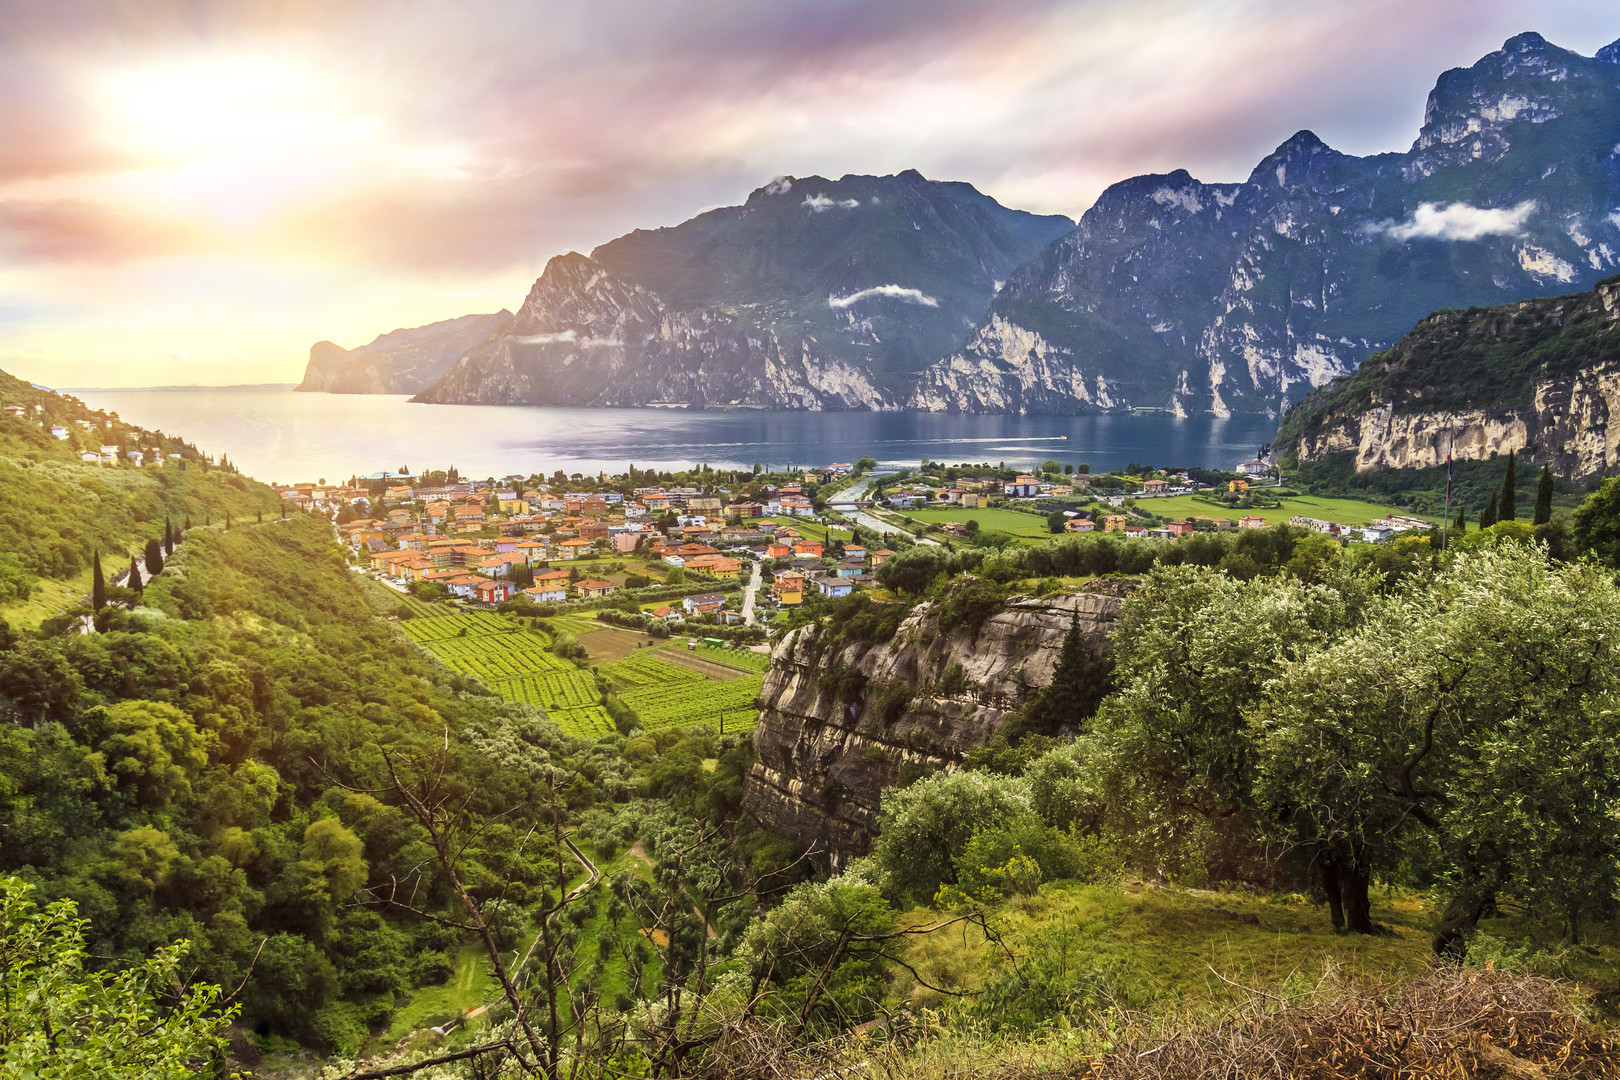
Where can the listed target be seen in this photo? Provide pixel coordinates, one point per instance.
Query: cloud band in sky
(893, 292)
(1459, 221)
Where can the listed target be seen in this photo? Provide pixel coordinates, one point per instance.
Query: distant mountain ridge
(814, 294)
(1541, 376)
(398, 362)
(1171, 294)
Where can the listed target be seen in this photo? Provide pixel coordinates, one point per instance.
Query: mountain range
(1170, 293)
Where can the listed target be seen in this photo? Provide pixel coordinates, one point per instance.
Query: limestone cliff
(841, 724)
(1542, 374)
(398, 362)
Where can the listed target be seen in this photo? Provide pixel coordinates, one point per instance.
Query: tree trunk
(1459, 921)
(1330, 885)
(1353, 883)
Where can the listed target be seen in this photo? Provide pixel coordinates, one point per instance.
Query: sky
(192, 192)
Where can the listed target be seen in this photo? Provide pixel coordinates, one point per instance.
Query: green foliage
(926, 827)
(1597, 523)
(60, 1018)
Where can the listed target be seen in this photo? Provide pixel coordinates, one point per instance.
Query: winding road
(847, 503)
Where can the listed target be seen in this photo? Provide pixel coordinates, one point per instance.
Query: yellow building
(1114, 522)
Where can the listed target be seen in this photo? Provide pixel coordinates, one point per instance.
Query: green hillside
(57, 510)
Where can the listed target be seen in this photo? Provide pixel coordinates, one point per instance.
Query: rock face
(815, 294)
(1542, 374)
(1191, 297)
(399, 362)
(825, 755)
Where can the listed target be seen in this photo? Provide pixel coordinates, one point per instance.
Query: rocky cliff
(843, 722)
(1540, 374)
(814, 294)
(398, 362)
(1193, 297)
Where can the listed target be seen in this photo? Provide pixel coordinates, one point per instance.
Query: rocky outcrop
(1541, 376)
(399, 362)
(841, 724)
(1193, 297)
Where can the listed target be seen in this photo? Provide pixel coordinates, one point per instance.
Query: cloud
(176, 353)
(779, 186)
(568, 337)
(894, 292)
(822, 203)
(1458, 221)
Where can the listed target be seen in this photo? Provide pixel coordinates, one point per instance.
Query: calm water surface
(283, 437)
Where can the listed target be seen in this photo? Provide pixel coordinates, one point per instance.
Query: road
(845, 502)
(748, 598)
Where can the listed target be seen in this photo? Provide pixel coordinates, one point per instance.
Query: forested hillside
(58, 510)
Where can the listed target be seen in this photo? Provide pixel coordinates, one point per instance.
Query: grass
(1339, 511)
(49, 597)
(1018, 524)
(470, 986)
(1163, 942)
(812, 530)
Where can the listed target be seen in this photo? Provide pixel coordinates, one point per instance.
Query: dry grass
(1462, 1023)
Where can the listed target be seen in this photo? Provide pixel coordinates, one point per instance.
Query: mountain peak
(1527, 42)
(1610, 53)
(1294, 160)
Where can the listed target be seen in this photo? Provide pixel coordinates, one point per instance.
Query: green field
(647, 669)
(810, 530)
(1339, 511)
(1007, 521)
(728, 705)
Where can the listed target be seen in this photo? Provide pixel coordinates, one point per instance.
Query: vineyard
(728, 705)
(646, 669)
(518, 665)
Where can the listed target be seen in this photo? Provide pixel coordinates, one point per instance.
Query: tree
(1487, 516)
(927, 825)
(1597, 523)
(168, 537)
(227, 520)
(1055, 521)
(135, 581)
(1507, 506)
(154, 558)
(60, 1019)
(1544, 497)
(98, 584)
(1460, 526)
(866, 464)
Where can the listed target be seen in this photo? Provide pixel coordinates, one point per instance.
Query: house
(744, 509)
(58, 431)
(1251, 521)
(664, 612)
(1214, 522)
(1022, 487)
(573, 549)
(880, 557)
(90, 458)
(788, 588)
(1077, 525)
(834, 587)
(850, 568)
(1114, 522)
(1374, 534)
(975, 500)
(495, 592)
(675, 560)
(548, 593)
(552, 579)
(695, 604)
(810, 548)
(593, 590)
(1156, 487)
(1237, 486)
(1178, 528)
(1254, 468)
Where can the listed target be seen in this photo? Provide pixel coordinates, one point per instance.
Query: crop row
(587, 722)
(472, 624)
(553, 690)
(670, 705)
(499, 656)
(645, 669)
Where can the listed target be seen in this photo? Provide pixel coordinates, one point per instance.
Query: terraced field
(516, 664)
(729, 705)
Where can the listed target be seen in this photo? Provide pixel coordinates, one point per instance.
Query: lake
(279, 436)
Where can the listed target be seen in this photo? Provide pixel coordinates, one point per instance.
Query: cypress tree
(1510, 492)
(261, 517)
(186, 527)
(1460, 526)
(98, 587)
(1487, 516)
(227, 520)
(168, 537)
(154, 558)
(135, 581)
(1544, 494)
